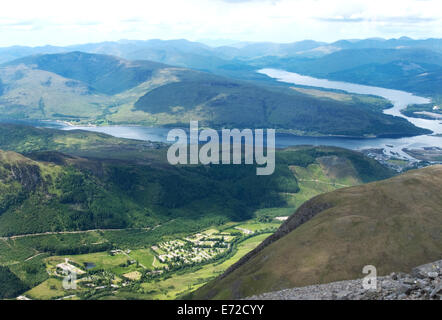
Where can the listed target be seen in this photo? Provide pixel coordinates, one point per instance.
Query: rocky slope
(424, 282)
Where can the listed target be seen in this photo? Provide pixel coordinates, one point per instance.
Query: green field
(49, 290)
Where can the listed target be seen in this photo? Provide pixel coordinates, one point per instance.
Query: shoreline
(289, 132)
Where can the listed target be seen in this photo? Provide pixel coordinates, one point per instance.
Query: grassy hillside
(89, 88)
(103, 73)
(393, 224)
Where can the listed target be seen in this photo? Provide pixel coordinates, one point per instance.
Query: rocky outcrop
(27, 175)
(423, 283)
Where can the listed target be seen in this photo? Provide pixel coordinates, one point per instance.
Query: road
(67, 232)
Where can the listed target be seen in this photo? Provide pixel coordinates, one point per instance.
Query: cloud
(240, 1)
(62, 23)
(14, 23)
(402, 20)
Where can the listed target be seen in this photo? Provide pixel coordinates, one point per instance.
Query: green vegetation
(222, 103)
(50, 289)
(153, 282)
(426, 111)
(10, 284)
(97, 71)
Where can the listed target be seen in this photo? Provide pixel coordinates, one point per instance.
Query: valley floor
(166, 270)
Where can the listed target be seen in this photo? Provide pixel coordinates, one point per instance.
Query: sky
(60, 22)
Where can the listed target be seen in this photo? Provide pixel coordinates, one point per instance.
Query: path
(35, 255)
(319, 181)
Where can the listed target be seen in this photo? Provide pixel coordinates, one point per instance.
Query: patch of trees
(10, 285)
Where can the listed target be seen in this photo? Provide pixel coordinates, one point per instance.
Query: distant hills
(394, 225)
(417, 70)
(240, 60)
(83, 88)
(103, 73)
(170, 51)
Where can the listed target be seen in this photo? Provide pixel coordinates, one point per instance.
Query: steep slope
(80, 194)
(394, 225)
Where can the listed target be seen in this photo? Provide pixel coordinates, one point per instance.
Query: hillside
(104, 182)
(81, 194)
(100, 72)
(84, 88)
(333, 236)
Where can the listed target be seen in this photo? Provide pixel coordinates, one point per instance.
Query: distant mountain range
(166, 50)
(394, 225)
(417, 70)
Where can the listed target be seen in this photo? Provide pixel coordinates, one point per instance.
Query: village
(197, 248)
